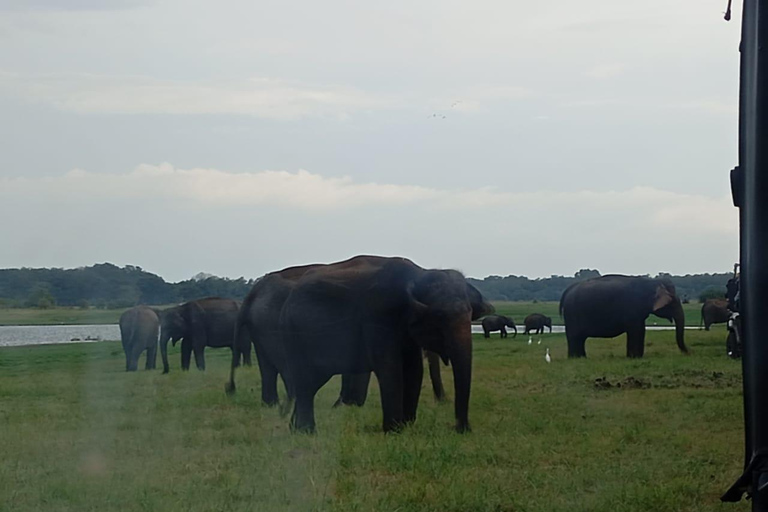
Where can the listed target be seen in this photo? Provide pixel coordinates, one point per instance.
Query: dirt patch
(690, 379)
(602, 383)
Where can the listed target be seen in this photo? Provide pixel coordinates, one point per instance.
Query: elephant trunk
(514, 328)
(461, 361)
(164, 350)
(678, 315)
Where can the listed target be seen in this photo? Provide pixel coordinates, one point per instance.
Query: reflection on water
(17, 335)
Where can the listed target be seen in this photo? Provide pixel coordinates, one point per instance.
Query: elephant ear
(480, 307)
(662, 298)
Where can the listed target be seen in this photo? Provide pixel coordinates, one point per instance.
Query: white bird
(539, 342)
(530, 340)
(547, 357)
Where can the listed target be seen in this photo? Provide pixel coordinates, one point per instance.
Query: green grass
(519, 310)
(75, 316)
(61, 316)
(80, 434)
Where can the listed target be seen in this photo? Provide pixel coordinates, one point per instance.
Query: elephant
(535, 322)
(208, 322)
(498, 323)
(372, 317)
(714, 311)
(258, 323)
(354, 388)
(139, 327)
(607, 306)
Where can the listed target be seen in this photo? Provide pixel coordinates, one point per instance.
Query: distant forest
(109, 286)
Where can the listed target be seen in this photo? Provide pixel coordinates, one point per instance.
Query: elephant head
(666, 304)
(172, 327)
(510, 323)
(442, 308)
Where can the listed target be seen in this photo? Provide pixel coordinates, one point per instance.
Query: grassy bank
(519, 310)
(75, 316)
(81, 434)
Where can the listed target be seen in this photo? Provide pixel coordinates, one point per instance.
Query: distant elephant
(373, 317)
(354, 388)
(607, 306)
(208, 322)
(536, 322)
(714, 311)
(498, 323)
(138, 332)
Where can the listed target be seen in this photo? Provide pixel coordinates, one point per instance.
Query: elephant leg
(268, 371)
(186, 354)
(391, 389)
(576, 344)
(486, 334)
(707, 324)
(413, 376)
(503, 332)
(303, 417)
(434, 376)
(200, 357)
(636, 341)
(151, 358)
(354, 389)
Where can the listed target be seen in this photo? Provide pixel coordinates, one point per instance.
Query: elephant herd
(380, 315)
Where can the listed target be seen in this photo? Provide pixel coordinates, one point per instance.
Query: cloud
(604, 71)
(248, 223)
(260, 97)
(305, 191)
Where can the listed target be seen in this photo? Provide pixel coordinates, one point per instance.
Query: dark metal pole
(750, 191)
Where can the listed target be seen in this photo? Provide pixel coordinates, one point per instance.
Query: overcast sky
(495, 137)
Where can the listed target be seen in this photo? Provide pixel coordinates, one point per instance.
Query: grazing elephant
(379, 318)
(138, 332)
(498, 323)
(714, 311)
(208, 322)
(536, 322)
(354, 388)
(604, 307)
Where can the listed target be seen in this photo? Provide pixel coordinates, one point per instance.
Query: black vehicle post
(749, 182)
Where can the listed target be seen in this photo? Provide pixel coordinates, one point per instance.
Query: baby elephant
(493, 323)
(536, 322)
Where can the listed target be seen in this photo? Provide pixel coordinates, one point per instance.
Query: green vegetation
(81, 434)
(106, 286)
(79, 316)
(61, 316)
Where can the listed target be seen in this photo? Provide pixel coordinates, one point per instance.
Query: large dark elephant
(536, 322)
(500, 323)
(138, 332)
(714, 311)
(607, 306)
(208, 322)
(258, 322)
(354, 388)
(379, 318)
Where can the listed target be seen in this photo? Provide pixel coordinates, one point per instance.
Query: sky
(494, 137)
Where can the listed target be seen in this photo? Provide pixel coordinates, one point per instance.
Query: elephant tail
(230, 387)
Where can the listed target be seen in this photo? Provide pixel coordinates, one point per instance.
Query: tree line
(108, 286)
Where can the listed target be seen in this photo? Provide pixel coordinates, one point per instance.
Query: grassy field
(80, 434)
(74, 316)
